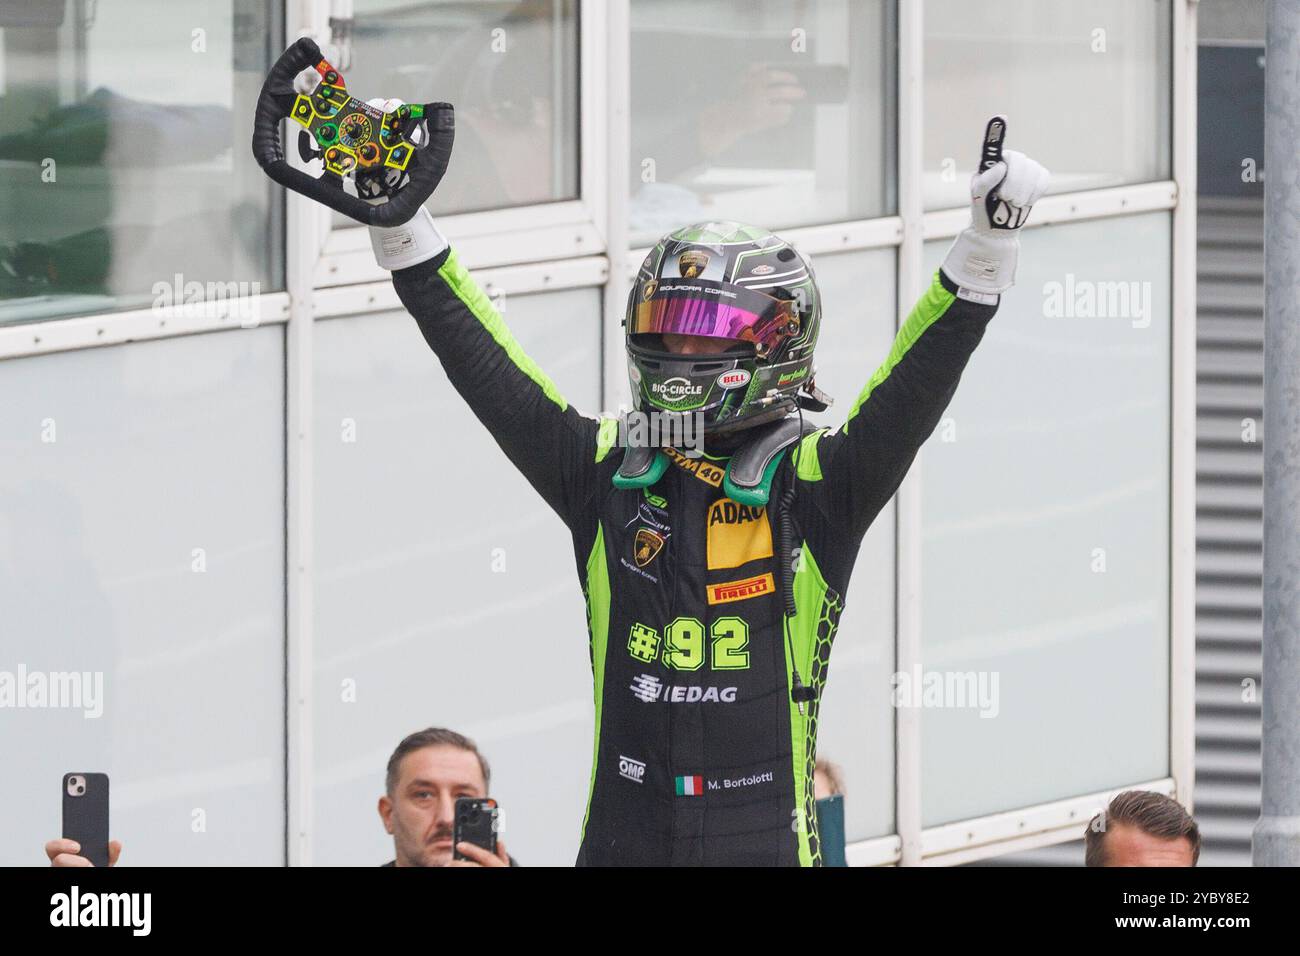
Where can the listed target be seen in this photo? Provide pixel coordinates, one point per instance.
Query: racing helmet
(752, 293)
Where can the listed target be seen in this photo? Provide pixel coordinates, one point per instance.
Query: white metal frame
(1182, 501)
(907, 502)
(583, 244)
(553, 230)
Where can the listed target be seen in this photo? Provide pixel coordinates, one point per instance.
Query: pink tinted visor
(744, 316)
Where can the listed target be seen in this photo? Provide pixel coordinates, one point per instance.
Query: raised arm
(849, 474)
(544, 437)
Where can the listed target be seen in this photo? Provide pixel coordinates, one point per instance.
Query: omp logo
(737, 534)
(741, 590)
(675, 389)
(630, 769)
(648, 689)
(733, 379)
(102, 909)
(701, 469)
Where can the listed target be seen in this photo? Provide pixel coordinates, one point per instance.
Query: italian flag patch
(690, 786)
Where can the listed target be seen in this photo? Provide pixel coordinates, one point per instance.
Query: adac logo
(691, 263)
(646, 546)
(737, 534)
(727, 511)
(648, 290)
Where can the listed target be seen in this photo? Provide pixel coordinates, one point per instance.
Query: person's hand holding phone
(478, 856)
(63, 852)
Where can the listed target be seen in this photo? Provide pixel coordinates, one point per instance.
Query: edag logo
(675, 389)
(648, 689)
(733, 379)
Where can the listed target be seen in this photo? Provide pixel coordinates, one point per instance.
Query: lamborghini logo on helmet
(646, 546)
(648, 290)
(692, 262)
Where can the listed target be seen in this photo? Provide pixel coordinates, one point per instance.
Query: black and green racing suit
(701, 757)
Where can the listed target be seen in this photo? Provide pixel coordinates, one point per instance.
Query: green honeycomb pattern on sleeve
(827, 622)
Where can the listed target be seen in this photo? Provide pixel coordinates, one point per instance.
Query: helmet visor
(718, 311)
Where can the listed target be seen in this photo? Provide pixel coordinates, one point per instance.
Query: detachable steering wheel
(398, 156)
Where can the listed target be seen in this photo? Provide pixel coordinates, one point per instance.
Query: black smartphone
(476, 823)
(85, 814)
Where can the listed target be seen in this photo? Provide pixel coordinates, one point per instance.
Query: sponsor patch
(676, 389)
(701, 468)
(630, 769)
(741, 590)
(737, 534)
(734, 378)
(649, 689)
(646, 546)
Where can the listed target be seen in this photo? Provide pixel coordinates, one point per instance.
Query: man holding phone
(427, 773)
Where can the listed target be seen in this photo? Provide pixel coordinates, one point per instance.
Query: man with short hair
(426, 773)
(1142, 828)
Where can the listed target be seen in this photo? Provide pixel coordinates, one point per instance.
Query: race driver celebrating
(714, 583)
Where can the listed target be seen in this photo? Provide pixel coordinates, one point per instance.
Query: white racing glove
(414, 241)
(982, 259)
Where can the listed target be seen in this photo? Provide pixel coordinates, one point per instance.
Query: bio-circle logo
(676, 388)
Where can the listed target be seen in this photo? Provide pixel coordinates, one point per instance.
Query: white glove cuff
(982, 263)
(399, 247)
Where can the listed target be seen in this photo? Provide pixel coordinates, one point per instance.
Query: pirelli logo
(741, 590)
(701, 468)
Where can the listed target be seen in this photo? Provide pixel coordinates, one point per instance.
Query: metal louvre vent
(1229, 523)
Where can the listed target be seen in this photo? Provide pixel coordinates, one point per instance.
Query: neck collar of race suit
(752, 459)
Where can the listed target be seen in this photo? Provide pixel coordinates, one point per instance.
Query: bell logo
(733, 379)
